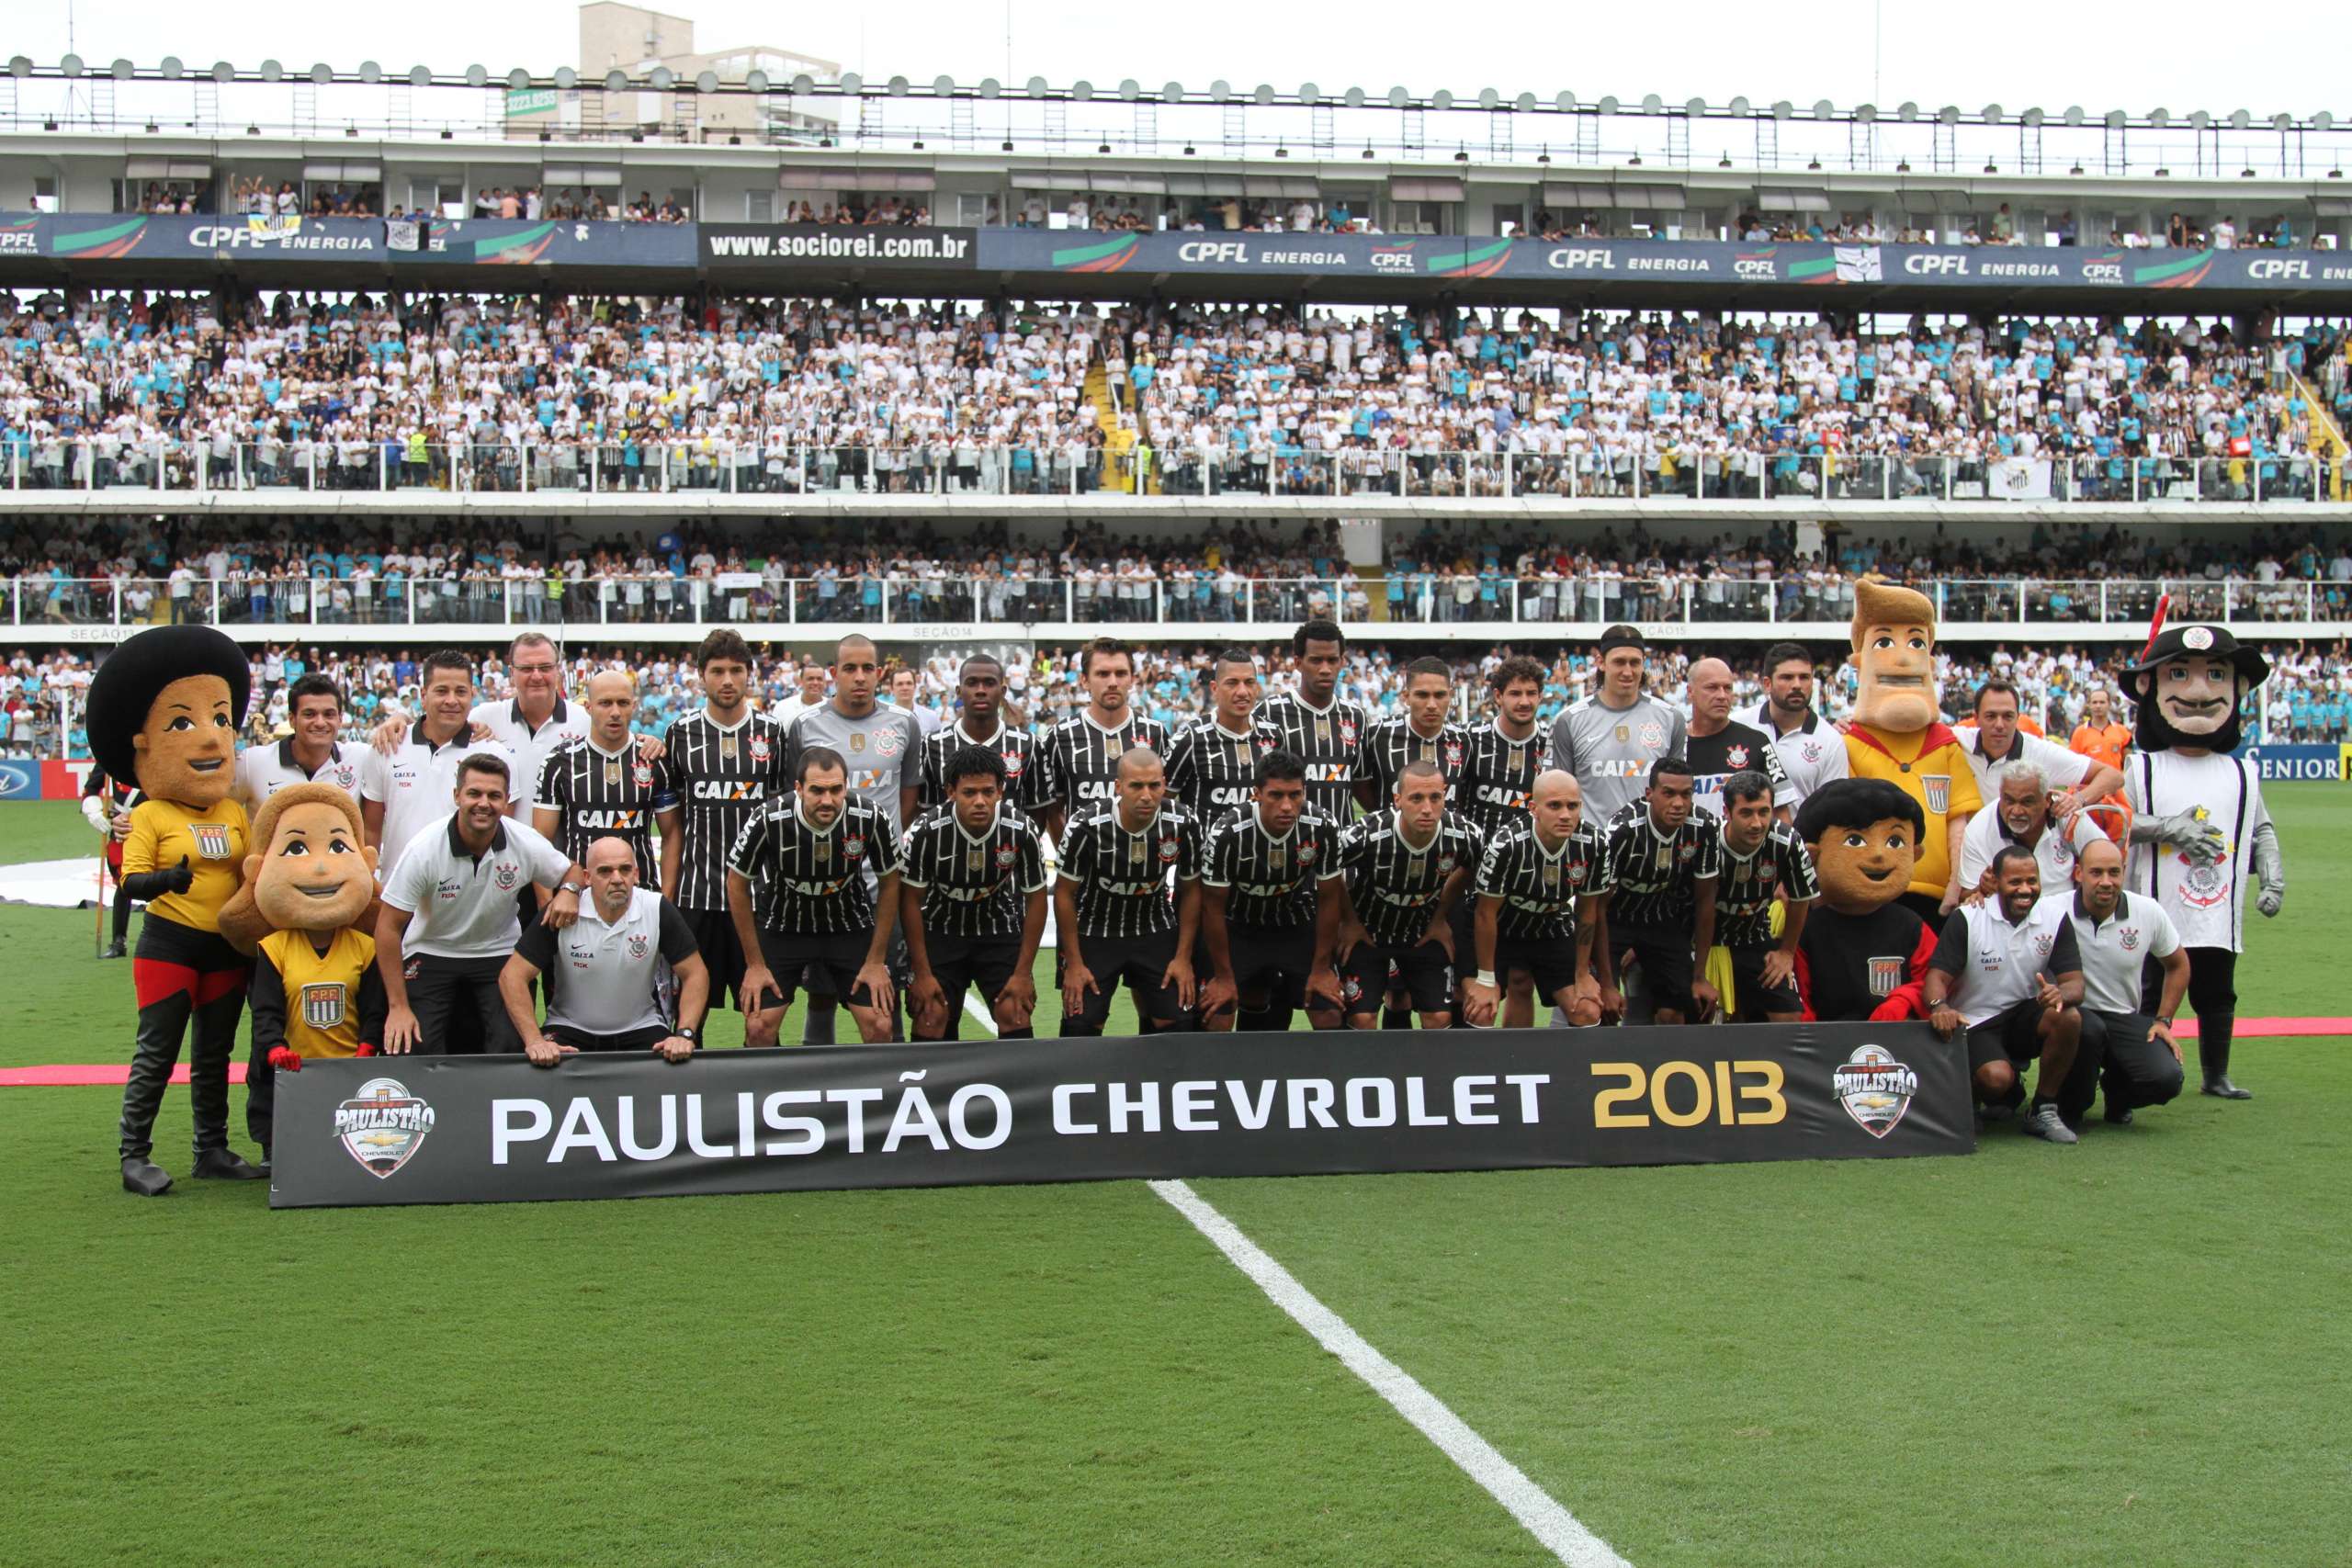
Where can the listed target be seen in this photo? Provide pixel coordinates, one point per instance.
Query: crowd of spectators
(263, 570)
(783, 394)
(2309, 697)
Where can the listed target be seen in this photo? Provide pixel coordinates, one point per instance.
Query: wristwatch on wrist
(691, 1036)
(574, 888)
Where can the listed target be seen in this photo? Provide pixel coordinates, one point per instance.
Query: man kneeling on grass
(2008, 974)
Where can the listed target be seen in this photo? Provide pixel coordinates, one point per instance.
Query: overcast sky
(2018, 54)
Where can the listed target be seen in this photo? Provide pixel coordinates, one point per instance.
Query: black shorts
(1141, 960)
(634, 1039)
(2012, 1035)
(1271, 958)
(1753, 998)
(722, 955)
(1664, 955)
(958, 962)
(825, 966)
(1375, 968)
(1549, 962)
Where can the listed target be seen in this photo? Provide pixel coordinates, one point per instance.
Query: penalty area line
(1562, 1533)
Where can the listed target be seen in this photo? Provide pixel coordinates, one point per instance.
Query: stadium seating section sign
(477, 1129)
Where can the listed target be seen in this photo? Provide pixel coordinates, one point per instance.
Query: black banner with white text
(492, 1129)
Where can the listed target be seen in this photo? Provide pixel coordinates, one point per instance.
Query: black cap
(2193, 640)
(131, 678)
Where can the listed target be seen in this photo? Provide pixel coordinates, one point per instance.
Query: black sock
(1255, 1021)
(1017, 1034)
(1078, 1029)
(1145, 1026)
(1396, 1017)
(121, 916)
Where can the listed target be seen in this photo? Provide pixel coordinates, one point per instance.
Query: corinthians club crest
(1875, 1088)
(382, 1126)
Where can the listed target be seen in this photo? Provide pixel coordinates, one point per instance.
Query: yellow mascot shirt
(213, 841)
(321, 990)
(1931, 767)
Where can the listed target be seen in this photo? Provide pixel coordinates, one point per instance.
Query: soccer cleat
(2219, 1086)
(144, 1178)
(2043, 1122)
(224, 1164)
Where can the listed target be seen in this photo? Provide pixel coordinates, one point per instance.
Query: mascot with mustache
(2199, 825)
(166, 709)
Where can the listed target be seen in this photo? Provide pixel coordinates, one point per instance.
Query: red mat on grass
(100, 1074)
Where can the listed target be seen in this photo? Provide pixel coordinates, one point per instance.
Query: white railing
(914, 600)
(947, 467)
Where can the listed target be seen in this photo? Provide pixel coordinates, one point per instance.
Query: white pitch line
(977, 1013)
(1561, 1532)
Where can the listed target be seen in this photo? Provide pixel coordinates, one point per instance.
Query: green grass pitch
(2129, 1353)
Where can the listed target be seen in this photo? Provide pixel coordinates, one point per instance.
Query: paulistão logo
(382, 1126)
(1875, 1088)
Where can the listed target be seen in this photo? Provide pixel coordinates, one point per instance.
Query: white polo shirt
(1995, 964)
(2060, 766)
(2055, 852)
(262, 770)
(417, 786)
(1812, 754)
(2115, 950)
(611, 979)
(464, 906)
(531, 747)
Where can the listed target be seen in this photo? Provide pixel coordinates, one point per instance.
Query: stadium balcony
(927, 607)
(86, 478)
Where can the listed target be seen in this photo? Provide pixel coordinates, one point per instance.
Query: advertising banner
(492, 1129)
(528, 242)
(751, 247)
(2300, 760)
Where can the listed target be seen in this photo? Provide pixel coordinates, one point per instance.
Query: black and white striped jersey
(726, 774)
(1392, 742)
(1024, 782)
(1781, 868)
(1539, 887)
(1655, 875)
(1079, 761)
(1497, 775)
(1271, 881)
(809, 882)
(1123, 878)
(1212, 770)
(1394, 883)
(598, 793)
(974, 885)
(1328, 740)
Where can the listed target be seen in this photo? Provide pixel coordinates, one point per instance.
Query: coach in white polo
(2007, 975)
(407, 788)
(2117, 933)
(450, 922)
(311, 755)
(609, 974)
(2020, 814)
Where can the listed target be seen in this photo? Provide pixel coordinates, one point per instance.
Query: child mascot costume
(1896, 736)
(1863, 953)
(308, 914)
(166, 709)
(2198, 826)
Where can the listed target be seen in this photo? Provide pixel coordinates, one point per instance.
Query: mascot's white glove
(95, 813)
(2198, 838)
(2270, 871)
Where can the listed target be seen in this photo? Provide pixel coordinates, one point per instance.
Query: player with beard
(1317, 725)
(1812, 752)
(1213, 765)
(979, 691)
(729, 763)
(1764, 861)
(1664, 859)
(1721, 746)
(2007, 974)
(1408, 870)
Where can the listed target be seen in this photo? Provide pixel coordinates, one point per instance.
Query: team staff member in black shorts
(1118, 917)
(972, 902)
(1540, 888)
(796, 887)
(1664, 860)
(608, 974)
(1407, 870)
(1763, 861)
(1272, 898)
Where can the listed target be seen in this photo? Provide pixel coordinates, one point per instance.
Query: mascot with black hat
(165, 709)
(2198, 826)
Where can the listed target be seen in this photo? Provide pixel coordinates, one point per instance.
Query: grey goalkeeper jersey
(883, 750)
(1610, 750)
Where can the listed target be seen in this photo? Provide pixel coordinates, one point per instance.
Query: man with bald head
(601, 784)
(1127, 902)
(1720, 746)
(611, 975)
(2119, 935)
(1539, 886)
